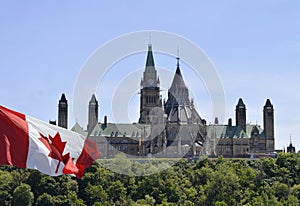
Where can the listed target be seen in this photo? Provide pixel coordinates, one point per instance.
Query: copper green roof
(225, 131)
(150, 74)
(150, 59)
(122, 130)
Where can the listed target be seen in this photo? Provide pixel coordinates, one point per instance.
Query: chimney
(216, 120)
(53, 122)
(230, 122)
(104, 123)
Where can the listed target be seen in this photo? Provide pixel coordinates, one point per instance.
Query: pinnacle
(268, 103)
(93, 99)
(178, 79)
(240, 103)
(63, 98)
(150, 60)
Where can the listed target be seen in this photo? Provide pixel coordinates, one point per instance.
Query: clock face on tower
(150, 82)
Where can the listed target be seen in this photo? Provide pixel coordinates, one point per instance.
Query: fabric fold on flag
(26, 142)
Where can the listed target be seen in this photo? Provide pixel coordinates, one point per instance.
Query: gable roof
(225, 131)
(78, 129)
(122, 130)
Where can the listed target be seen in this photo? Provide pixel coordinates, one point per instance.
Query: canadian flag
(26, 142)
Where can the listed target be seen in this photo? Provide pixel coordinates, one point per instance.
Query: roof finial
(290, 139)
(150, 37)
(177, 56)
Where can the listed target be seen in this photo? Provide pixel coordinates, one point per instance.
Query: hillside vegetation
(220, 181)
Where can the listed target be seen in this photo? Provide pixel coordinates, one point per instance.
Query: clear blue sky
(255, 46)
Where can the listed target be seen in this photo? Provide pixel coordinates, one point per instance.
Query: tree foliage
(218, 181)
(22, 195)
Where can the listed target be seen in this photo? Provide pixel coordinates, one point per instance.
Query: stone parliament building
(173, 128)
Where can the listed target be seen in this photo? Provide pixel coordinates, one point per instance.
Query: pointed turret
(291, 148)
(182, 118)
(241, 103)
(240, 114)
(93, 114)
(178, 79)
(63, 112)
(63, 98)
(93, 99)
(268, 103)
(178, 92)
(150, 78)
(150, 60)
(268, 114)
(178, 96)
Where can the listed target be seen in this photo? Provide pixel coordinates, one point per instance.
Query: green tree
(147, 201)
(292, 201)
(120, 165)
(34, 180)
(265, 199)
(117, 191)
(73, 200)
(22, 195)
(6, 181)
(223, 186)
(5, 198)
(281, 190)
(220, 203)
(95, 193)
(48, 185)
(295, 191)
(45, 200)
(60, 200)
(68, 185)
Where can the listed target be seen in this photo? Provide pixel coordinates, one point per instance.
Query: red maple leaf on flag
(56, 148)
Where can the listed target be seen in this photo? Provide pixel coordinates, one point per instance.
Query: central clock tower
(150, 99)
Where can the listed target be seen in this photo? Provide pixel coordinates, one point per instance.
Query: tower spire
(178, 92)
(150, 60)
(150, 92)
(150, 74)
(178, 81)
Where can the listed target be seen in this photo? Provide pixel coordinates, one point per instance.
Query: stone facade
(175, 128)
